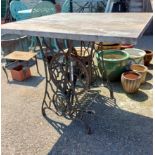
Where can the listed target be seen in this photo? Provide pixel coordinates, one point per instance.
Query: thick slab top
(107, 27)
(20, 55)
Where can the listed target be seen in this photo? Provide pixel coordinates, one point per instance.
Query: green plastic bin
(115, 62)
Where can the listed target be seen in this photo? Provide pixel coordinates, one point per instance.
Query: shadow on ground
(116, 132)
(149, 76)
(33, 81)
(150, 67)
(146, 86)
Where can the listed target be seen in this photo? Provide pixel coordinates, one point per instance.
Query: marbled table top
(106, 27)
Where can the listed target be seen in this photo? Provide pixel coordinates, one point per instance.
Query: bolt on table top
(107, 27)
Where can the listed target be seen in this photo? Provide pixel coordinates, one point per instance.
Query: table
(64, 70)
(114, 27)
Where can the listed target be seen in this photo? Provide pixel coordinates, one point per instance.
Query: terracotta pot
(124, 46)
(140, 69)
(148, 57)
(19, 73)
(131, 81)
(106, 46)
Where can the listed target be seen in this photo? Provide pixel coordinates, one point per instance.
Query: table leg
(4, 69)
(108, 81)
(36, 62)
(44, 103)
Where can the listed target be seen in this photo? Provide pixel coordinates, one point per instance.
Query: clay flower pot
(140, 69)
(131, 81)
(148, 57)
(106, 46)
(124, 46)
(20, 73)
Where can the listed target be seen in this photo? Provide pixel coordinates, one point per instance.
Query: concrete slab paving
(123, 127)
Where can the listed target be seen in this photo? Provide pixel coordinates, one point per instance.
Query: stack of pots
(132, 79)
(130, 82)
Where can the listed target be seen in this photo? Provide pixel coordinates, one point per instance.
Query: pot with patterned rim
(140, 69)
(131, 81)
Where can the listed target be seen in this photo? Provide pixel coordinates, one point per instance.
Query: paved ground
(123, 127)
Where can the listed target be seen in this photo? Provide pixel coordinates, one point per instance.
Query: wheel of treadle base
(68, 74)
(64, 104)
(60, 103)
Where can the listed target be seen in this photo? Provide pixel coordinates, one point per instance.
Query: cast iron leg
(46, 76)
(5, 73)
(89, 114)
(110, 89)
(37, 65)
(108, 82)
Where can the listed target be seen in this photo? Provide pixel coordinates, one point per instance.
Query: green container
(3, 8)
(115, 62)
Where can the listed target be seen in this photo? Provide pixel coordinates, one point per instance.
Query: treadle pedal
(89, 111)
(89, 131)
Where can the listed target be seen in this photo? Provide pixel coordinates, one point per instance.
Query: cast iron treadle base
(67, 79)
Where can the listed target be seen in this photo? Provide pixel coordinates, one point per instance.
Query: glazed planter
(135, 55)
(124, 46)
(20, 73)
(148, 57)
(106, 46)
(140, 69)
(115, 62)
(131, 81)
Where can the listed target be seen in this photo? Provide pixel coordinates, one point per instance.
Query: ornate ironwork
(68, 75)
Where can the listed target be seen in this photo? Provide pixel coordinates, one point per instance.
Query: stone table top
(103, 27)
